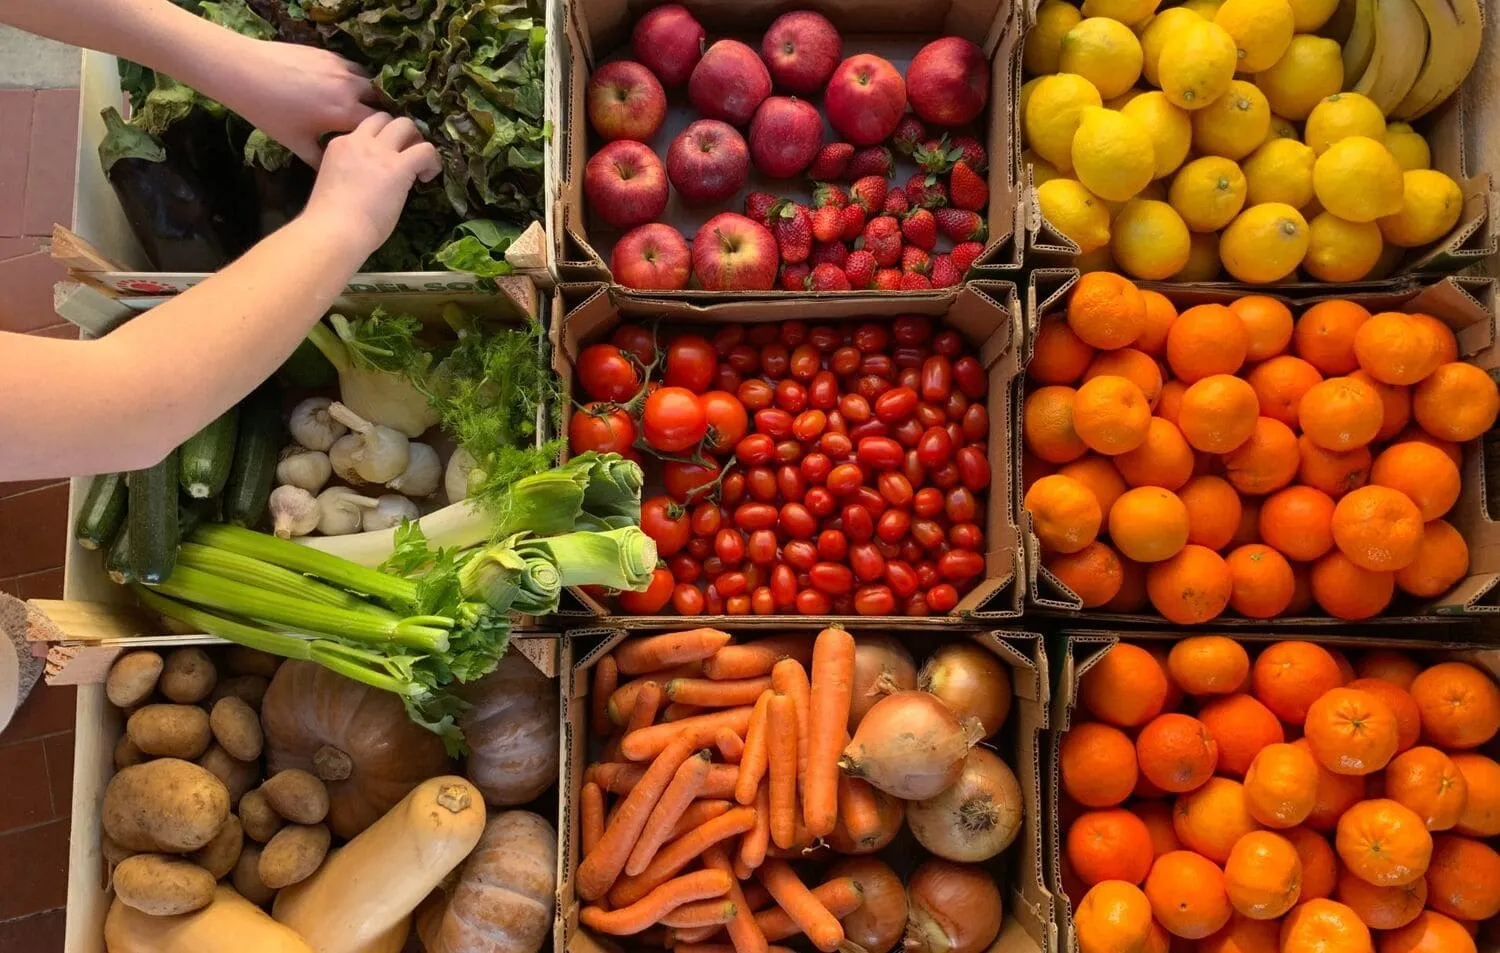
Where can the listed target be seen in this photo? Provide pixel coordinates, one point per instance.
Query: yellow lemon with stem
(1408, 146)
(1043, 47)
(1197, 65)
(1281, 170)
(1075, 212)
(1154, 37)
(1358, 179)
(1170, 129)
(1431, 204)
(1112, 154)
(1051, 115)
(1311, 69)
(1208, 193)
(1149, 240)
(1262, 30)
(1041, 169)
(1265, 243)
(1104, 52)
(1233, 125)
(1340, 250)
(1340, 116)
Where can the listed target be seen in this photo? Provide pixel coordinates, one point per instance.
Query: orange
(1351, 731)
(1212, 818)
(1160, 313)
(1033, 468)
(1395, 404)
(1324, 926)
(1058, 356)
(1346, 667)
(1266, 462)
(1112, 844)
(1458, 402)
(1190, 588)
(1298, 522)
(1111, 415)
(1302, 597)
(1340, 413)
(1208, 664)
(1388, 665)
(1263, 875)
(1281, 786)
(1268, 325)
(1135, 366)
(1460, 705)
(1065, 514)
(1244, 935)
(1447, 343)
(1429, 933)
(1047, 425)
(1334, 472)
(1383, 843)
(1157, 816)
(1241, 726)
(1442, 560)
(1279, 385)
(1464, 878)
(1319, 865)
(1336, 793)
(1158, 941)
(1098, 764)
(1106, 310)
(1130, 598)
(1262, 581)
(1396, 348)
(1187, 895)
(1169, 406)
(1163, 460)
(1378, 528)
(1427, 781)
(1125, 687)
(1324, 335)
(1099, 475)
(1176, 752)
(1094, 573)
(1218, 413)
(1148, 524)
(1423, 472)
(1114, 916)
(1481, 813)
(1347, 591)
(1401, 704)
(1414, 432)
(1205, 340)
(1289, 676)
(1213, 511)
(1382, 908)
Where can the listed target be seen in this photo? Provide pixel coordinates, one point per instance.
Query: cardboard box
(985, 312)
(1465, 304)
(1028, 926)
(599, 30)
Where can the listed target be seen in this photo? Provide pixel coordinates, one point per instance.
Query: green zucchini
(261, 434)
(152, 519)
(102, 512)
(203, 462)
(117, 561)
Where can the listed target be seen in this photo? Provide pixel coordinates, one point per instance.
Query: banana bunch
(1408, 56)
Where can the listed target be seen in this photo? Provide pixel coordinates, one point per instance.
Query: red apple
(625, 183)
(652, 257)
(729, 82)
(669, 41)
(733, 253)
(708, 162)
(948, 81)
(802, 48)
(865, 99)
(625, 101)
(785, 136)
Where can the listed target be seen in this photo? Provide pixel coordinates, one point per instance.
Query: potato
(127, 754)
(236, 726)
(172, 731)
(132, 678)
(188, 676)
(162, 886)
(246, 877)
(260, 820)
(249, 689)
(238, 776)
(243, 661)
(113, 853)
(164, 806)
(297, 796)
(219, 855)
(294, 854)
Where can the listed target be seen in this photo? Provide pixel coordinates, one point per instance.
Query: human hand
(362, 185)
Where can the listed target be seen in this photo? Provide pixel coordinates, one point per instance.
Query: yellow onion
(951, 908)
(910, 745)
(972, 681)
(881, 666)
(976, 818)
(880, 920)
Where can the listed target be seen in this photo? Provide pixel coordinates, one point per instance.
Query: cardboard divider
(988, 315)
(1028, 903)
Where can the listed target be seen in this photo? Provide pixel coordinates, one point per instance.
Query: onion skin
(951, 908)
(972, 680)
(880, 921)
(881, 666)
(909, 745)
(976, 818)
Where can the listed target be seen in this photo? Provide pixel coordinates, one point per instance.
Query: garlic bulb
(293, 510)
(422, 473)
(388, 512)
(313, 427)
(307, 469)
(456, 476)
(341, 458)
(382, 453)
(341, 510)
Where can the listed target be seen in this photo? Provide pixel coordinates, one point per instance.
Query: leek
(618, 559)
(504, 579)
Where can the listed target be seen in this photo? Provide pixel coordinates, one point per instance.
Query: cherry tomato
(874, 600)
(713, 603)
(774, 360)
(755, 394)
(673, 420)
(960, 564)
(753, 516)
(727, 420)
(976, 422)
(927, 502)
(787, 451)
(657, 594)
(973, 469)
(601, 426)
(912, 329)
(835, 579)
(912, 469)
(879, 453)
(760, 483)
(713, 567)
(823, 391)
(635, 340)
(732, 489)
(685, 481)
(686, 599)
(960, 505)
(948, 343)
(743, 358)
(737, 605)
(690, 363)
(805, 362)
(900, 577)
(908, 433)
(870, 499)
(955, 434)
(790, 483)
(762, 547)
(606, 373)
(955, 406)
(910, 377)
(895, 488)
(791, 396)
(755, 449)
(893, 525)
(783, 585)
(878, 365)
(937, 378)
(667, 523)
(927, 574)
(842, 605)
(813, 602)
(931, 415)
(797, 521)
(855, 408)
(792, 333)
(866, 562)
(836, 445)
(819, 501)
(871, 338)
(832, 545)
(836, 423)
(859, 525)
(917, 606)
(727, 378)
(762, 602)
(815, 467)
(945, 476)
(774, 422)
(762, 334)
(700, 547)
(727, 336)
(909, 357)
(872, 388)
(800, 554)
(845, 479)
(970, 377)
(845, 361)
(808, 425)
(824, 338)
(928, 534)
(896, 404)
(935, 448)
(729, 546)
(966, 536)
(870, 428)
(730, 584)
(685, 568)
(943, 597)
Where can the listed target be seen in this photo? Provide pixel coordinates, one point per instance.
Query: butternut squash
(230, 924)
(378, 878)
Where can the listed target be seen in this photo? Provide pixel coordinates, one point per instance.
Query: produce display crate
(1465, 304)
(1028, 904)
(987, 313)
(599, 30)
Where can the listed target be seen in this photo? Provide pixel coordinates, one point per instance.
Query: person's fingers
(309, 151)
(354, 114)
(355, 68)
(422, 159)
(400, 134)
(373, 123)
(368, 94)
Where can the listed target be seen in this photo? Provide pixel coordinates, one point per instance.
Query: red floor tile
(23, 486)
(26, 795)
(16, 247)
(28, 281)
(32, 529)
(53, 163)
(40, 933)
(34, 869)
(48, 710)
(60, 772)
(47, 584)
(63, 332)
(15, 151)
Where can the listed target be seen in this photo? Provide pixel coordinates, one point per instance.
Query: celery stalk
(246, 569)
(304, 559)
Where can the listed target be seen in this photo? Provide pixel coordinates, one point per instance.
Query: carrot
(708, 693)
(731, 746)
(622, 700)
(699, 731)
(859, 810)
(686, 784)
(677, 711)
(753, 759)
(752, 852)
(698, 885)
(687, 935)
(673, 857)
(808, 908)
(756, 895)
(619, 777)
(758, 657)
(606, 680)
(599, 869)
(699, 812)
(831, 693)
(638, 655)
(591, 810)
(790, 678)
(647, 701)
(741, 872)
(781, 751)
(744, 933)
(703, 913)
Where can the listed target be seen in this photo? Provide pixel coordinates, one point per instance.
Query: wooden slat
(76, 254)
(61, 620)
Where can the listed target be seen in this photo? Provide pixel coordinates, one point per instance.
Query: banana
(1360, 45)
(1400, 49)
(1338, 26)
(1455, 32)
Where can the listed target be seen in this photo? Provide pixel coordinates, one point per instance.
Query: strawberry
(909, 132)
(883, 239)
(964, 254)
(828, 277)
(914, 259)
(896, 202)
(833, 253)
(854, 221)
(827, 194)
(935, 156)
(869, 191)
(945, 273)
(758, 206)
(911, 281)
(830, 162)
(792, 225)
(973, 155)
(960, 225)
(926, 190)
(888, 279)
(871, 160)
(920, 229)
(861, 268)
(966, 188)
(794, 277)
(828, 223)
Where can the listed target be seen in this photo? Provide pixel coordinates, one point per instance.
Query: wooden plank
(80, 664)
(76, 254)
(61, 620)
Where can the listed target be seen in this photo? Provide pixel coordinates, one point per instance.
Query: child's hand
(365, 177)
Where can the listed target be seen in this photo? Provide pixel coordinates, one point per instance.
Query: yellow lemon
(1097, 260)
(1054, 19)
(1311, 69)
(1156, 34)
(1112, 154)
(1128, 12)
(1123, 100)
(1430, 206)
(1075, 212)
(1281, 170)
(1408, 146)
(1149, 240)
(1208, 193)
(1204, 8)
(1197, 65)
(1041, 169)
(1262, 30)
(1023, 96)
(1051, 116)
(1358, 179)
(1308, 15)
(1104, 52)
(1264, 244)
(1340, 116)
(1340, 251)
(1233, 125)
(1170, 129)
(1282, 129)
(1203, 259)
